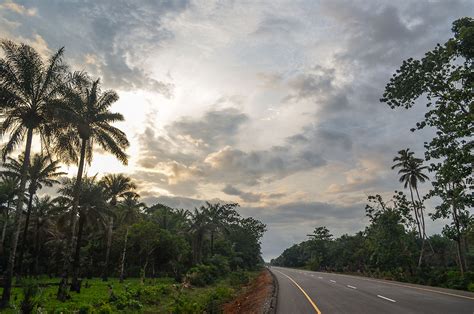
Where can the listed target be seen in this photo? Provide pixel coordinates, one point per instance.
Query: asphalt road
(315, 292)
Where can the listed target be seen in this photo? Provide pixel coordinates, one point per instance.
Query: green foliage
(444, 78)
(31, 296)
(239, 278)
(202, 275)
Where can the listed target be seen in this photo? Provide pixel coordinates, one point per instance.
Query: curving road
(301, 291)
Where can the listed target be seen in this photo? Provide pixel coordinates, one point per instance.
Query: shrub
(221, 265)
(105, 309)
(216, 298)
(202, 275)
(30, 296)
(239, 278)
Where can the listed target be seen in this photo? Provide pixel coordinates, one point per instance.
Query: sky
(271, 104)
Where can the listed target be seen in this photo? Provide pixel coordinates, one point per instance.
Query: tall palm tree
(8, 192)
(41, 172)
(86, 120)
(130, 212)
(115, 186)
(411, 171)
(27, 87)
(93, 209)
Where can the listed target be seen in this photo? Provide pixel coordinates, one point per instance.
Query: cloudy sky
(273, 104)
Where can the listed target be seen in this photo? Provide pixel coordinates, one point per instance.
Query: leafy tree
(444, 77)
(27, 87)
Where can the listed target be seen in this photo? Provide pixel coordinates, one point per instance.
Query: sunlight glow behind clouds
(303, 76)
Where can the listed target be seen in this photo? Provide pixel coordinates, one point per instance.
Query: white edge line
(381, 296)
(332, 280)
(352, 287)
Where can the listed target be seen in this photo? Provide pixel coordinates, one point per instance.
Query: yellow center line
(304, 292)
(411, 287)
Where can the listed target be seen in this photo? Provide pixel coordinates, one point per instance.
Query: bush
(202, 275)
(105, 309)
(239, 278)
(221, 265)
(30, 296)
(216, 298)
(183, 304)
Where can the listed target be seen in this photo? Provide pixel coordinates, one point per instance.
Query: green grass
(161, 295)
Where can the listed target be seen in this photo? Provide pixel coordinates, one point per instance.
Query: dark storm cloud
(107, 38)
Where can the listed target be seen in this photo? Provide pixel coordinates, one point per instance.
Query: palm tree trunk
(425, 237)
(37, 247)
(420, 233)
(107, 252)
(63, 290)
(25, 232)
(124, 252)
(75, 284)
(4, 229)
(17, 222)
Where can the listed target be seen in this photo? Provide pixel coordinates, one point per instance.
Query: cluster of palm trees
(67, 113)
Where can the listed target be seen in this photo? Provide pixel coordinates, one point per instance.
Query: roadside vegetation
(395, 245)
(90, 244)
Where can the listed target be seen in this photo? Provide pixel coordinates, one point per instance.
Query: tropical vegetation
(58, 231)
(395, 244)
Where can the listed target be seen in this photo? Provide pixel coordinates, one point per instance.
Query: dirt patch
(255, 298)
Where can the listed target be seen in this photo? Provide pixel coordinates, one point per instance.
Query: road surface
(301, 291)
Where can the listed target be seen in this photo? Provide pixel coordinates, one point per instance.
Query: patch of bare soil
(255, 297)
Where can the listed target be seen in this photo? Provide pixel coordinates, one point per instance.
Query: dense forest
(395, 244)
(92, 226)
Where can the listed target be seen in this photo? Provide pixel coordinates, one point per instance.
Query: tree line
(395, 244)
(92, 226)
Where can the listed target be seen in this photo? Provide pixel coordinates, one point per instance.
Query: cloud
(18, 8)
(120, 35)
(250, 197)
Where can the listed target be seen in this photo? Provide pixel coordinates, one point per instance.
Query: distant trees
(444, 78)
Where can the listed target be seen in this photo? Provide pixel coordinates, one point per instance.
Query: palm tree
(198, 229)
(27, 87)
(86, 120)
(8, 191)
(115, 185)
(45, 212)
(130, 212)
(411, 170)
(41, 172)
(219, 216)
(93, 209)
